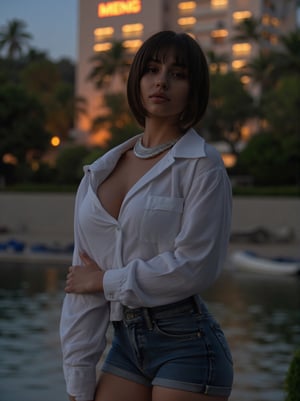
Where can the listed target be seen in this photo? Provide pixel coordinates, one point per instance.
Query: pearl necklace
(146, 153)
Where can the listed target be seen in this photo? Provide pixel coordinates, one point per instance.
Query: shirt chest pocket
(161, 219)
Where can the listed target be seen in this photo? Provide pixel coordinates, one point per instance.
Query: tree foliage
(14, 38)
(229, 107)
(21, 123)
(292, 382)
(108, 64)
(37, 101)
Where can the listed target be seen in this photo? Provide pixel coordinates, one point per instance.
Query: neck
(159, 132)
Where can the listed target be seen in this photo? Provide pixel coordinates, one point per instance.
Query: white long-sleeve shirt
(168, 243)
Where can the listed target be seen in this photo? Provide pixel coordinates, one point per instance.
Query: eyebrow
(160, 61)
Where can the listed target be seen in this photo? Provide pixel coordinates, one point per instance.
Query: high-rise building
(212, 22)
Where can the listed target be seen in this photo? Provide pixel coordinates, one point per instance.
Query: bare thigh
(168, 394)
(115, 388)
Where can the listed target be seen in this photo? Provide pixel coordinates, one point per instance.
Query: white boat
(250, 261)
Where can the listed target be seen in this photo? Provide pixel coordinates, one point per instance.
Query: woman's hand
(85, 279)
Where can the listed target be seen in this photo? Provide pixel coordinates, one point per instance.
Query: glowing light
(241, 48)
(229, 159)
(237, 64)
(55, 141)
(245, 79)
(221, 67)
(130, 28)
(275, 21)
(8, 158)
(132, 45)
(219, 3)
(266, 19)
(116, 8)
(100, 138)
(187, 21)
(104, 32)
(241, 15)
(102, 47)
(219, 33)
(187, 5)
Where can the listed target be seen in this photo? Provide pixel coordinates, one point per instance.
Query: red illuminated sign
(115, 8)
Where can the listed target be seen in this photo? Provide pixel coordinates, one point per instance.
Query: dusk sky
(53, 24)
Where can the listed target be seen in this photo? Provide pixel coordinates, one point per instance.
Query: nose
(162, 81)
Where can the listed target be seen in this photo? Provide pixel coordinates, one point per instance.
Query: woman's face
(165, 88)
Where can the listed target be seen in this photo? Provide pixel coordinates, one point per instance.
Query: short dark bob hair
(187, 53)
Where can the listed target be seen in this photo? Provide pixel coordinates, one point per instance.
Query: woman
(152, 221)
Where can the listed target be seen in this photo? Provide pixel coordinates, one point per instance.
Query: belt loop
(148, 319)
(197, 303)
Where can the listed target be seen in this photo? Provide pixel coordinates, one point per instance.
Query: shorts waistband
(159, 312)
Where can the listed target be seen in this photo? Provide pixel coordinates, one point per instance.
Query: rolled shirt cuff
(80, 382)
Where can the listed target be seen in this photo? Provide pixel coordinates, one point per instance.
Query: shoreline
(47, 219)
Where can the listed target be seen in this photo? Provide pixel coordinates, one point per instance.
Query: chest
(128, 171)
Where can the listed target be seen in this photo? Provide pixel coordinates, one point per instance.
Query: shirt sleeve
(83, 326)
(197, 257)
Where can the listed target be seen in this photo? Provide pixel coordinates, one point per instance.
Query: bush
(69, 164)
(270, 160)
(292, 383)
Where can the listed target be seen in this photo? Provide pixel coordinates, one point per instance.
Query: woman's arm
(194, 263)
(83, 326)
(196, 259)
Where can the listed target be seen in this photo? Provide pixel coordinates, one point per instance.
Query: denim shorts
(178, 346)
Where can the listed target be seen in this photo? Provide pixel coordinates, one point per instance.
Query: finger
(70, 269)
(85, 258)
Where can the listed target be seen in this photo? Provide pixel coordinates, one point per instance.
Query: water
(260, 315)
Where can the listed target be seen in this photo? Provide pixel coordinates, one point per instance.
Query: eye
(179, 74)
(151, 69)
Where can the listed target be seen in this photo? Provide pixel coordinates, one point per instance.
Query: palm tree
(248, 29)
(109, 64)
(14, 38)
(288, 60)
(262, 69)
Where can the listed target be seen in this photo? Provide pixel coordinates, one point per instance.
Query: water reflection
(260, 316)
(30, 300)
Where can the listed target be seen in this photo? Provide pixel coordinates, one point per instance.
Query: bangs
(161, 49)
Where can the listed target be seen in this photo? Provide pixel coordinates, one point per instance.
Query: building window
(266, 19)
(103, 33)
(132, 45)
(275, 21)
(241, 49)
(238, 64)
(219, 35)
(217, 4)
(102, 47)
(187, 21)
(239, 16)
(245, 79)
(222, 68)
(130, 30)
(186, 6)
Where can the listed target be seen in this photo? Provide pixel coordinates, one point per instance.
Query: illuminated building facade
(211, 22)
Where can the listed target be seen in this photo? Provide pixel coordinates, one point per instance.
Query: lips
(159, 97)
